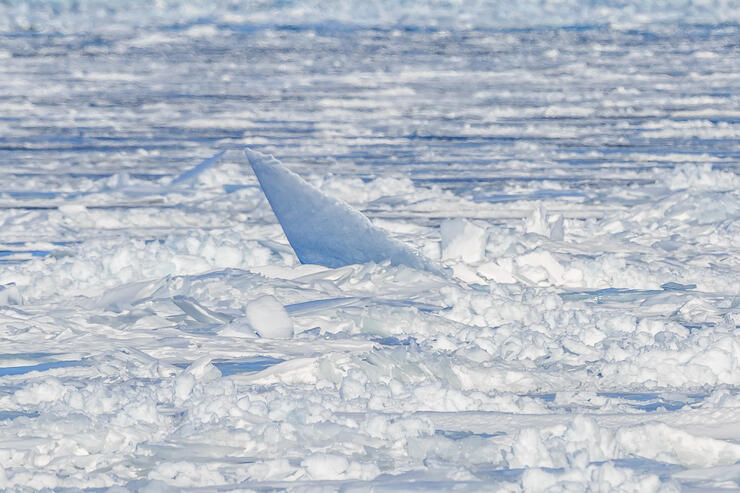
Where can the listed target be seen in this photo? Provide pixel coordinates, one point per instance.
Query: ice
(323, 230)
(191, 174)
(269, 318)
(463, 240)
(574, 164)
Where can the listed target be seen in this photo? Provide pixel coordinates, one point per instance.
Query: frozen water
(575, 164)
(323, 230)
(269, 318)
(463, 240)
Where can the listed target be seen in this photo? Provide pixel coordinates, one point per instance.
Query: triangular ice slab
(323, 230)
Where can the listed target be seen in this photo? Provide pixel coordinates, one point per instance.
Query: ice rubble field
(577, 166)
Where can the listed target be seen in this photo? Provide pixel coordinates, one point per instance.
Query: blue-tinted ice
(323, 230)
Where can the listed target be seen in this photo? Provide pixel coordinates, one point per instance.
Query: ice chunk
(541, 261)
(549, 226)
(463, 240)
(496, 272)
(557, 229)
(200, 370)
(537, 222)
(325, 466)
(323, 230)
(269, 318)
(198, 312)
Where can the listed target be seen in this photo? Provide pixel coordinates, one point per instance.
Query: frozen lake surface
(577, 167)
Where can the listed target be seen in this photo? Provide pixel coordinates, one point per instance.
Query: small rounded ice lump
(268, 318)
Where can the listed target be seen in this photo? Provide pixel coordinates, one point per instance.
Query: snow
(66, 15)
(268, 317)
(572, 167)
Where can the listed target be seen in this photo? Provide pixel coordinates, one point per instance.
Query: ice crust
(158, 333)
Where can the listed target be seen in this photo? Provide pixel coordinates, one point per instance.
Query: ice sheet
(582, 183)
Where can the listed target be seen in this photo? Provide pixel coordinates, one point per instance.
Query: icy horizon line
(99, 16)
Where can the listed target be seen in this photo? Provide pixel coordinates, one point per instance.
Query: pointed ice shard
(323, 230)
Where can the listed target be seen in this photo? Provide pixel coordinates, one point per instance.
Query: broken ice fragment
(463, 240)
(323, 230)
(269, 318)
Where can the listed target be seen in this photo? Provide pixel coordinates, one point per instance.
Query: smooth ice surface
(582, 155)
(323, 230)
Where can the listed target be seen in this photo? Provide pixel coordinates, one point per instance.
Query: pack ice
(162, 329)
